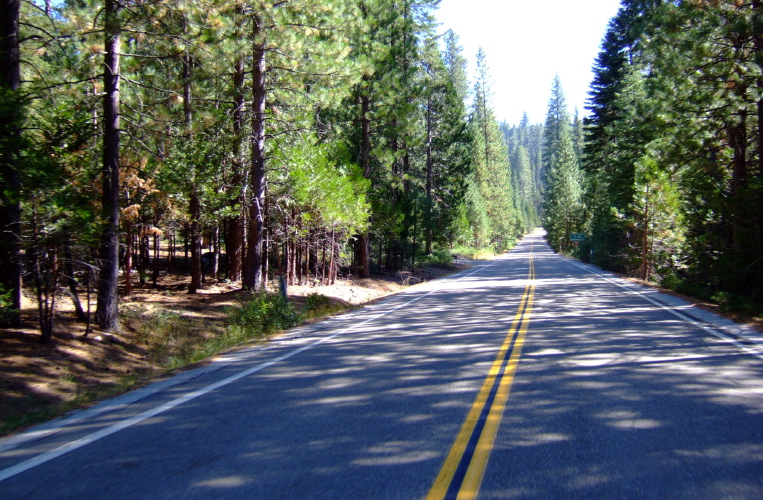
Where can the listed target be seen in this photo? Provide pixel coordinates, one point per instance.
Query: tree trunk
(10, 185)
(363, 263)
(195, 212)
(266, 235)
(298, 262)
(71, 278)
(312, 255)
(739, 209)
(645, 240)
(234, 241)
(215, 253)
(142, 254)
(332, 260)
(253, 269)
(155, 262)
(107, 310)
(128, 256)
(429, 222)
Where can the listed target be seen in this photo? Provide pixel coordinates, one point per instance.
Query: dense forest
(246, 141)
(240, 141)
(671, 187)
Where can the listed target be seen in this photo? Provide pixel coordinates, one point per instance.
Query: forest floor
(42, 381)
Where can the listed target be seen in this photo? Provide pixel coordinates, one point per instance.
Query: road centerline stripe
(461, 474)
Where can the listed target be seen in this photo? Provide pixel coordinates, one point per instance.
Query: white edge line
(672, 311)
(107, 431)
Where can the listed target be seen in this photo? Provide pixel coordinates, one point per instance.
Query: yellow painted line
(473, 478)
(471, 485)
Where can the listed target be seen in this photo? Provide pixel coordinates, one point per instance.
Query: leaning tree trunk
(10, 186)
(253, 268)
(107, 312)
(71, 279)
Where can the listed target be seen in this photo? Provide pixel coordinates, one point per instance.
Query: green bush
(316, 301)
(670, 281)
(440, 257)
(731, 302)
(6, 305)
(263, 313)
(695, 290)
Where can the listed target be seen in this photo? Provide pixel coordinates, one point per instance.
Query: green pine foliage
(495, 207)
(312, 125)
(673, 153)
(563, 202)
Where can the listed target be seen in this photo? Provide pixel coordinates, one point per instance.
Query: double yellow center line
(462, 472)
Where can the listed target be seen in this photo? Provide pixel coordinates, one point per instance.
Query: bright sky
(528, 42)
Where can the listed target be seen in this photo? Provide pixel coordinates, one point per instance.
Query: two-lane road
(525, 377)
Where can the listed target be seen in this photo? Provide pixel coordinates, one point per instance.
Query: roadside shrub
(670, 281)
(731, 302)
(262, 313)
(6, 305)
(440, 257)
(316, 301)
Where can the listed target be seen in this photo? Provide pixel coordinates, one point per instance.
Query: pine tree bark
(266, 237)
(429, 222)
(738, 142)
(71, 280)
(129, 244)
(253, 270)
(645, 240)
(107, 312)
(234, 241)
(155, 261)
(215, 253)
(194, 202)
(195, 213)
(10, 186)
(361, 240)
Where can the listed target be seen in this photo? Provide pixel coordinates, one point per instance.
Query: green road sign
(577, 236)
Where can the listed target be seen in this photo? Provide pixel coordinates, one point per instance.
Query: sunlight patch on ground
(396, 452)
(589, 360)
(547, 352)
(639, 423)
(542, 438)
(338, 401)
(224, 482)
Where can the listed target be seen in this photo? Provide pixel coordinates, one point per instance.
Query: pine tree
(563, 207)
(491, 166)
(447, 153)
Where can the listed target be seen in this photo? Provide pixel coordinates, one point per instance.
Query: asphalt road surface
(530, 376)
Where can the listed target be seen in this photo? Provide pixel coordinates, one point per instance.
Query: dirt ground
(40, 381)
